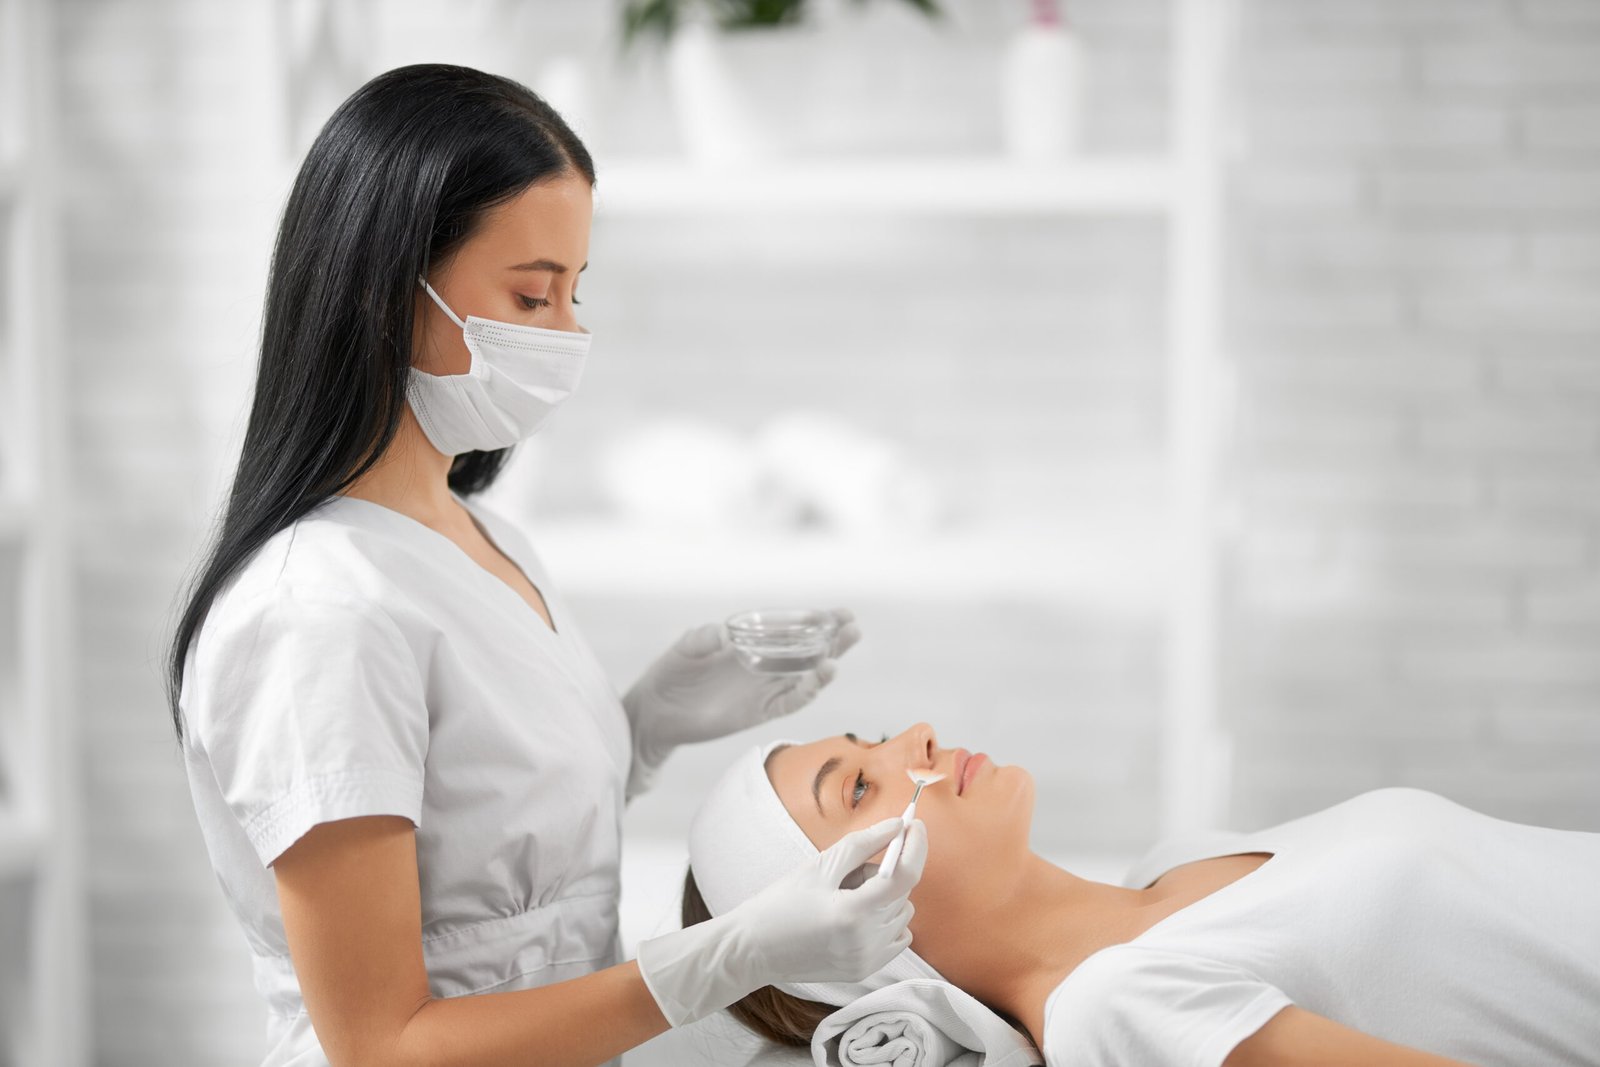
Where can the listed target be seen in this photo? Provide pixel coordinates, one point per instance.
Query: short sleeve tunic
(362, 663)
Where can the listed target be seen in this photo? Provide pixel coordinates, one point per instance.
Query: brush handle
(891, 855)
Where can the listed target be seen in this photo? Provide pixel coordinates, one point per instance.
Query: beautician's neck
(1034, 935)
(411, 477)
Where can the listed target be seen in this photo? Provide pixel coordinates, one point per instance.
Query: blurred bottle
(563, 83)
(715, 120)
(1042, 87)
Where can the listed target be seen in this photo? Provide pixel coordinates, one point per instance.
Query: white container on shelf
(563, 82)
(714, 117)
(1041, 88)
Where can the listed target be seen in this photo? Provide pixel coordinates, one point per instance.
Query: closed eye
(534, 303)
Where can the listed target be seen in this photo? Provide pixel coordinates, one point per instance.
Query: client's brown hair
(769, 1011)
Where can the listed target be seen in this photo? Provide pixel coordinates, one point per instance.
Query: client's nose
(922, 748)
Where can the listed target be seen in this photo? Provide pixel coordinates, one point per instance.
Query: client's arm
(1298, 1038)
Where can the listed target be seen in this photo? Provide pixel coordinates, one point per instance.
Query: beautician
(407, 765)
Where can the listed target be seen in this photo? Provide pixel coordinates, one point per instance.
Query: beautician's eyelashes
(533, 303)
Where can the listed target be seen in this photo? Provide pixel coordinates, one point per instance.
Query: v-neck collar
(1238, 849)
(549, 629)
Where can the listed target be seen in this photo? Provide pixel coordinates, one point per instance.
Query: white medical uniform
(1398, 912)
(361, 663)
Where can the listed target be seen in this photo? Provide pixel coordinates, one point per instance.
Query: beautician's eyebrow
(546, 264)
(829, 765)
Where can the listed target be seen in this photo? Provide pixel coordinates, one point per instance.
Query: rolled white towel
(920, 1022)
(901, 1039)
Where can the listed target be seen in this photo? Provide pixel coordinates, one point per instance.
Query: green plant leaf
(930, 8)
(649, 18)
(660, 18)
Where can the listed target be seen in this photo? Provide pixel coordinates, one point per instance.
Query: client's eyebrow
(829, 765)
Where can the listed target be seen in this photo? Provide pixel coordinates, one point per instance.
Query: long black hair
(393, 184)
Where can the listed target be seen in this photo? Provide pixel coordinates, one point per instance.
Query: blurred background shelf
(933, 184)
(21, 846)
(1112, 569)
(13, 519)
(43, 996)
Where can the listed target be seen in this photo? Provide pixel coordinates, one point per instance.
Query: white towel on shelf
(920, 1022)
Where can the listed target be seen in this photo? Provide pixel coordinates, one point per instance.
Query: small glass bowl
(782, 640)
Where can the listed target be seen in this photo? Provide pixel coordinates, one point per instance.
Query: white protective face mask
(518, 377)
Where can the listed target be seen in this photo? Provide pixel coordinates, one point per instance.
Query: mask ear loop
(442, 305)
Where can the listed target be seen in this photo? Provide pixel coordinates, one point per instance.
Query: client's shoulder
(1150, 1003)
(1400, 807)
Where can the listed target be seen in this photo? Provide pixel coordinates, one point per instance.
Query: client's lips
(969, 771)
(962, 756)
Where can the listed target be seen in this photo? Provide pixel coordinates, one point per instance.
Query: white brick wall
(1414, 597)
(1412, 287)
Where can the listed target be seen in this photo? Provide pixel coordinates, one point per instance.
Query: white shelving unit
(43, 1000)
(1174, 573)
(1113, 569)
(905, 184)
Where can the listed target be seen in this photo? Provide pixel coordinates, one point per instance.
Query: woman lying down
(1394, 928)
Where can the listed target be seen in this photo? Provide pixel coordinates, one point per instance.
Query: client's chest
(1192, 882)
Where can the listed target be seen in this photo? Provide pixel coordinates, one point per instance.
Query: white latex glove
(698, 690)
(801, 928)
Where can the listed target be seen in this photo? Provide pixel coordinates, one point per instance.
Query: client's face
(976, 832)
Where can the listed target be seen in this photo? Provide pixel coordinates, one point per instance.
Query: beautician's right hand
(807, 929)
(802, 928)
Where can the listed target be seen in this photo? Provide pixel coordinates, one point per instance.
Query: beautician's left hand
(698, 690)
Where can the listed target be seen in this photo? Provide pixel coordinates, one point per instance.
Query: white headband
(743, 839)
